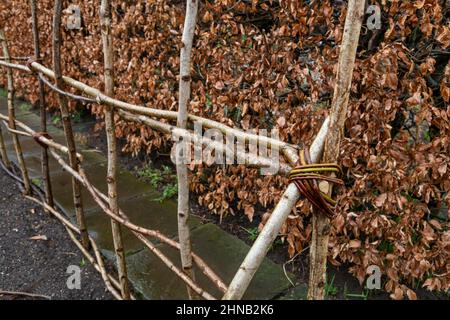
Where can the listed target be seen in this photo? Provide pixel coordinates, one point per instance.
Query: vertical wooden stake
(3, 152)
(44, 154)
(67, 123)
(12, 117)
(108, 56)
(321, 224)
(182, 174)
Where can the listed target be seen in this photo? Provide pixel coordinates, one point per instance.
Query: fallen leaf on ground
(39, 237)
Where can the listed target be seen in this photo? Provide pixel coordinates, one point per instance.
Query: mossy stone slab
(221, 251)
(20, 107)
(127, 185)
(30, 119)
(33, 161)
(28, 145)
(34, 166)
(143, 211)
(299, 292)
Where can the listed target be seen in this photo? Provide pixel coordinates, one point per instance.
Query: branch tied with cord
(306, 178)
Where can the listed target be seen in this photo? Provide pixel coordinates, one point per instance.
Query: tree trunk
(67, 123)
(320, 223)
(41, 104)
(182, 174)
(12, 117)
(108, 56)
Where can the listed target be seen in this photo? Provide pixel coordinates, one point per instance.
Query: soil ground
(39, 266)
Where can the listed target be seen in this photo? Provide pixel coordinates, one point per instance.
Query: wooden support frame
(328, 138)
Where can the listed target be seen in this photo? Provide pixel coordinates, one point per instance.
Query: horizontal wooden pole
(151, 112)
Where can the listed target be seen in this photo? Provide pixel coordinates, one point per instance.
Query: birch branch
(12, 117)
(42, 139)
(108, 57)
(251, 160)
(67, 123)
(181, 160)
(320, 223)
(14, 66)
(41, 104)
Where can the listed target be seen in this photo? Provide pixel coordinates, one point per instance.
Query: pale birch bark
(14, 66)
(108, 56)
(182, 174)
(42, 110)
(12, 117)
(320, 223)
(67, 123)
(271, 229)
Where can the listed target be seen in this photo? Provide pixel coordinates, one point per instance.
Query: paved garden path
(222, 251)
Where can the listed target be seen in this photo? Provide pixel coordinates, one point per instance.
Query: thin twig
(289, 261)
(41, 138)
(11, 174)
(15, 58)
(65, 93)
(12, 116)
(20, 293)
(22, 133)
